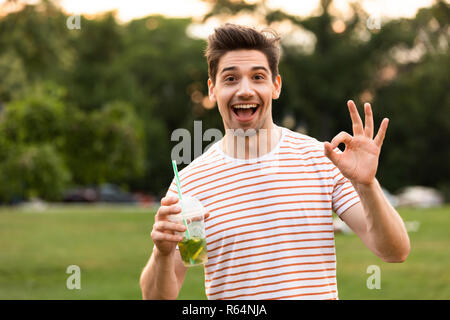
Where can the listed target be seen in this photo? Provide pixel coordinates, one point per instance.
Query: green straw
(177, 179)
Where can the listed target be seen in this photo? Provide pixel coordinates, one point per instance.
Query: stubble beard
(241, 138)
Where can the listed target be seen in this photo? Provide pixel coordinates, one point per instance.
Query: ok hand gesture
(359, 161)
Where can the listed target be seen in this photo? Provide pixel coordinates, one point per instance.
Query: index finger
(169, 200)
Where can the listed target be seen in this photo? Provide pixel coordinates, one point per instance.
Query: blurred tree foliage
(31, 140)
(99, 104)
(105, 145)
(36, 170)
(47, 144)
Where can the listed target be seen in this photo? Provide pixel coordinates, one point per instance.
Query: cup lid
(192, 207)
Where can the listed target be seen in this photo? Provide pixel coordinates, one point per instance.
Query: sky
(129, 9)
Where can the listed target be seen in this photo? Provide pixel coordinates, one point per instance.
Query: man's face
(244, 90)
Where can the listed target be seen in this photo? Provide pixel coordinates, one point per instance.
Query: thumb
(330, 153)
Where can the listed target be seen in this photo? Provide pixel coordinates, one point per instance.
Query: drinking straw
(177, 179)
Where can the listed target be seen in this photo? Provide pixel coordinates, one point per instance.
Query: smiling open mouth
(244, 112)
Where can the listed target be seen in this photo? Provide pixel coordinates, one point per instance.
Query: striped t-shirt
(270, 230)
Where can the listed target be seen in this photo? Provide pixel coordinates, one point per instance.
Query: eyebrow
(253, 68)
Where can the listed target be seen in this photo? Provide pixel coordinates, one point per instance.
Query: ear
(276, 87)
(211, 91)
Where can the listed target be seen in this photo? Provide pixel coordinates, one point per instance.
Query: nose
(245, 89)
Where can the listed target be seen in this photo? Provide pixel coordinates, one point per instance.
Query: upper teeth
(244, 106)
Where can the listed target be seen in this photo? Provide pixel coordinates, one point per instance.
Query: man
(270, 196)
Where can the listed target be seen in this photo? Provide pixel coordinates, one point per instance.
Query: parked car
(104, 193)
(112, 193)
(83, 194)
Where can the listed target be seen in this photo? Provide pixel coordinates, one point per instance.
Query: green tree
(38, 117)
(94, 77)
(31, 138)
(169, 69)
(33, 171)
(38, 35)
(419, 104)
(13, 76)
(44, 144)
(105, 145)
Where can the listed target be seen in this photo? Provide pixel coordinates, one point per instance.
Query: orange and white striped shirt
(270, 230)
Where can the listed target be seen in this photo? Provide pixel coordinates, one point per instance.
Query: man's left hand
(359, 161)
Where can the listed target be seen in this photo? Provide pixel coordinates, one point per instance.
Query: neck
(263, 141)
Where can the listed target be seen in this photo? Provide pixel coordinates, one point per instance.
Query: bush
(33, 171)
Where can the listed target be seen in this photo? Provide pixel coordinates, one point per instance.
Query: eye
(259, 77)
(229, 79)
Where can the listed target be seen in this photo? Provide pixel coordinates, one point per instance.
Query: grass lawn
(111, 245)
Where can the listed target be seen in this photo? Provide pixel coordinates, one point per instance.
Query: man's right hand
(163, 233)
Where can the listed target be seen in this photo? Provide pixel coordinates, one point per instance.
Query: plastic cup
(192, 248)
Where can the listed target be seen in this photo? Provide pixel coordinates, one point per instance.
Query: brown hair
(235, 37)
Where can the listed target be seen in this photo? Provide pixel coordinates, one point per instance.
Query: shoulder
(204, 159)
(197, 171)
(298, 139)
(307, 149)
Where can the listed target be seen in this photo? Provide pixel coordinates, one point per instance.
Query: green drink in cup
(193, 246)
